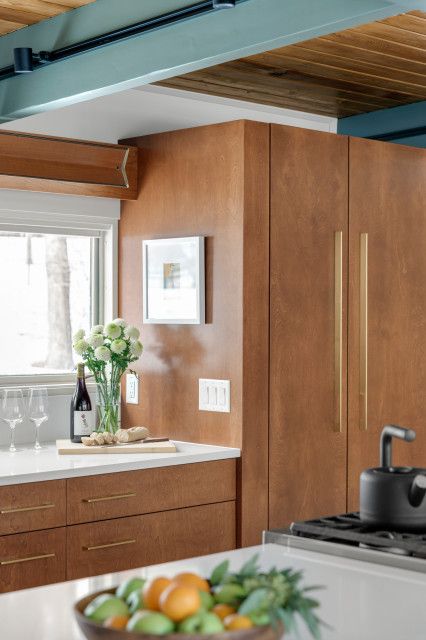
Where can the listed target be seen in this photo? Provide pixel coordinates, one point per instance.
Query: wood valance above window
(63, 165)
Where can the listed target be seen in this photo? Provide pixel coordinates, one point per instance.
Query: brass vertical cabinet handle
(363, 333)
(338, 328)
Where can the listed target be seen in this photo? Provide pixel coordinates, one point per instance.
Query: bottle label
(84, 423)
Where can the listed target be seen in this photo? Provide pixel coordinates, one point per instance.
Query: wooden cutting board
(66, 447)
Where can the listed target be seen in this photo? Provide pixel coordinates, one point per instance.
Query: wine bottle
(82, 417)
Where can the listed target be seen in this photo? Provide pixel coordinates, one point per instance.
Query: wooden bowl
(95, 631)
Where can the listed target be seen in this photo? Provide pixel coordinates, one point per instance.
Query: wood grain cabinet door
(387, 303)
(308, 316)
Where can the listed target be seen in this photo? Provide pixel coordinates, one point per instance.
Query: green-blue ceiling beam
(252, 27)
(402, 125)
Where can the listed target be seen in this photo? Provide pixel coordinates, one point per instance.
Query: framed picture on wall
(173, 281)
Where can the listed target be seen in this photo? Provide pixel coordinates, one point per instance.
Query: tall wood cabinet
(387, 302)
(347, 315)
(309, 237)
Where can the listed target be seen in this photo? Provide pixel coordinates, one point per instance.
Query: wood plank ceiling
(375, 66)
(16, 14)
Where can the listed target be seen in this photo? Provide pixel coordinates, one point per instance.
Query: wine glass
(12, 411)
(38, 405)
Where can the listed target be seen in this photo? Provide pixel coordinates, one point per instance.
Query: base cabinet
(115, 522)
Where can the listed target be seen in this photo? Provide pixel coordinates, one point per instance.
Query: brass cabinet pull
(338, 319)
(363, 333)
(29, 559)
(119, 496)
(23, 509)
(108, 545)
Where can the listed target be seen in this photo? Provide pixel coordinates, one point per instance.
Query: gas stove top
(345, 535)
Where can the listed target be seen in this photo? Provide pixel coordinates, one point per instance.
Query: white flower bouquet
(107, 352)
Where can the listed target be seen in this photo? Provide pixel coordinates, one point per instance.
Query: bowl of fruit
(246, 605)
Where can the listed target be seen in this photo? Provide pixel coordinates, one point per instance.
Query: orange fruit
(179, 601)
(116, 622)
(192, 580)
(153, 591)
(234, 622)
(223, 610)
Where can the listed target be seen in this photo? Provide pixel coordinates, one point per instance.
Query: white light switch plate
(214, 395)
(132, 389)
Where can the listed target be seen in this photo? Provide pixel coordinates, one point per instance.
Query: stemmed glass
(12, 411)
(38, 405)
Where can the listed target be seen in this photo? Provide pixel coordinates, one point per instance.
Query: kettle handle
(392, 431)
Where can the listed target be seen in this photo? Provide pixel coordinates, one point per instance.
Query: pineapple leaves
(219, 573)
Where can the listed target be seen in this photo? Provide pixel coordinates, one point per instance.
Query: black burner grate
(348, 529)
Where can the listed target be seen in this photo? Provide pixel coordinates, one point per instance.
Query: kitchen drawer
(32, 506)
(137, 541)
(130, 493)
(32, 559)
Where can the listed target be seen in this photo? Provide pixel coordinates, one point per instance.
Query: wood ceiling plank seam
(6, 26)
(362, 78)
(218, 87)
(344, 37)
(367, 65)
(409, 23)
(18, 17)
(235, 94)
(351, 86)
(375, 52)
(416, 12)
(312, 60)
(390, 34)
(289, 84)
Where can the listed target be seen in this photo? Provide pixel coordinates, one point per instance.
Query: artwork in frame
(173, 281)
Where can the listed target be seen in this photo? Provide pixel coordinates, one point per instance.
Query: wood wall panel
(309, 203)
(211, 181)
(387, 201)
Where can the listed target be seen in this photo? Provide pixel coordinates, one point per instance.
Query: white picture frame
(173, 280)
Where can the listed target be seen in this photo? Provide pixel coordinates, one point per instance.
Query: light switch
(214, 395)
(132, 389)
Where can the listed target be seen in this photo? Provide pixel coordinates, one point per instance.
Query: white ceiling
(152, 109)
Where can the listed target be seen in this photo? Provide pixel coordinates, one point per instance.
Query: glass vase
(108, 406)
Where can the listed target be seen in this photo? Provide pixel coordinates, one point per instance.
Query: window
(48, 290)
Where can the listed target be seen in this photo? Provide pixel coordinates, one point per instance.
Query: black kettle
(393, 497)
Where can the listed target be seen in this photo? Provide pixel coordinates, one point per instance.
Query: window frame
(104, 252)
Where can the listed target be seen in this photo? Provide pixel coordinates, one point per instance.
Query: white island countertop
(28, 465)
(359, 601)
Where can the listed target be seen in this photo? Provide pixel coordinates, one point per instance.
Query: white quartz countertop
(28, 465)
(360, 601)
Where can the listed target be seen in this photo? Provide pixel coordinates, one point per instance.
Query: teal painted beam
(252, 27)
(396, 123)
